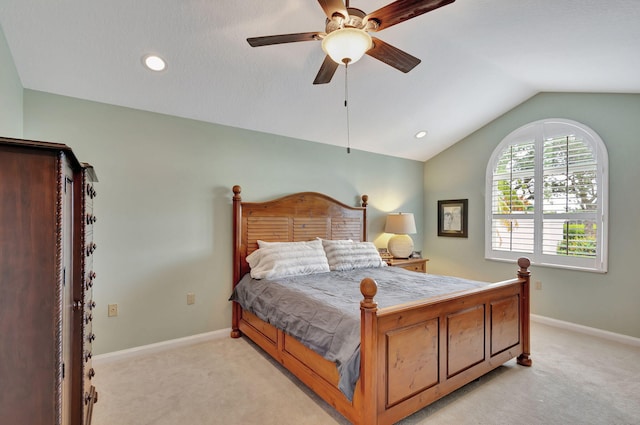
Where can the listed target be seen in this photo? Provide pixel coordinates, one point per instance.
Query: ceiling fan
(346, 37)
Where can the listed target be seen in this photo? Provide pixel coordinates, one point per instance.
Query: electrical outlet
(191, 298)
(538, 285)
(112, 310)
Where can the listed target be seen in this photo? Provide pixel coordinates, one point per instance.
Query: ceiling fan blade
(392, 56)
(332, 6)
(325, 74)
(283, 38)
(403, 10)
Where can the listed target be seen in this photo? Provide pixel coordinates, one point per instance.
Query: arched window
(546, 196)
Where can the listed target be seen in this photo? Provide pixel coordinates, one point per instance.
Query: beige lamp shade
(401, 224)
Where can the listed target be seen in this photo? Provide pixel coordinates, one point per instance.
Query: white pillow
(279, 259)
(349, 255)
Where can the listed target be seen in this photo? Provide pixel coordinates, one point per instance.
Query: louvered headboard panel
(299, 217)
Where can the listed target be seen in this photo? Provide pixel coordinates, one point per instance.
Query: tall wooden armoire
(46, 279)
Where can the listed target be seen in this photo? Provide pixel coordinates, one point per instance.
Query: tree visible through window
(547, 196)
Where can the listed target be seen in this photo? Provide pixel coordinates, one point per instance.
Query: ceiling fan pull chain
(346, 104)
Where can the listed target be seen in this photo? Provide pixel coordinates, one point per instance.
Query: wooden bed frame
(411, 354)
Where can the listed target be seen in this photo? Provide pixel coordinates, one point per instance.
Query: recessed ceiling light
(421, 134)
(154, 63)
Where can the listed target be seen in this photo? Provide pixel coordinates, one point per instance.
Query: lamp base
(400, 246)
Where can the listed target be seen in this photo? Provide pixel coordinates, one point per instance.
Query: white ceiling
(480, 58)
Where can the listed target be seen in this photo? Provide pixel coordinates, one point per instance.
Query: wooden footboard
(414, 354)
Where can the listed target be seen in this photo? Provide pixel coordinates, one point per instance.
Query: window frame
(538, 132)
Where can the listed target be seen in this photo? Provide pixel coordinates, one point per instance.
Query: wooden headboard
(298, 217)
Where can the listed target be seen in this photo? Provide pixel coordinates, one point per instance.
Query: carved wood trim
(59, 283)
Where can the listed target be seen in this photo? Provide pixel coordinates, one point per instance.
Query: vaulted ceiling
(480, 58)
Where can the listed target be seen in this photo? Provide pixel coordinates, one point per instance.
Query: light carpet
(575, 379)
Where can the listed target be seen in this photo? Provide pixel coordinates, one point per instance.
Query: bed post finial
(236, 193)
(524, 263)
(365, 200)
(369, 289)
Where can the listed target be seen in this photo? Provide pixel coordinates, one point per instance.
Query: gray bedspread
(323, 310)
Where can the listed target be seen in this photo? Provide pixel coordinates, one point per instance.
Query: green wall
(10, 93)
(164, 205)
(608, 301)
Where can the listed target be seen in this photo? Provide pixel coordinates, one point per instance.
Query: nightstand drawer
(421, 268)
(412, 264)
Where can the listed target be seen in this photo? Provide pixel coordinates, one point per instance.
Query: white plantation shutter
(571, 210)
(512, 208)
(562, 165)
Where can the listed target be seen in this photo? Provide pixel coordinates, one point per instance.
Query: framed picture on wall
(452, 218)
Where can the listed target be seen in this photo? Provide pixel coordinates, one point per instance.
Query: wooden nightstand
(414, 264)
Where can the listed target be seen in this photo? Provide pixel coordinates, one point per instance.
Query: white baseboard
(624, 339)
(160, 346)
(224, 333)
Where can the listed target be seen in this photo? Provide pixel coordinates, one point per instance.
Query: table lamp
(401, 224)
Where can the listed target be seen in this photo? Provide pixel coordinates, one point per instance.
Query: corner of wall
(11, 94)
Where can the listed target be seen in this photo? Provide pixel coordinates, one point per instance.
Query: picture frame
(452, 218)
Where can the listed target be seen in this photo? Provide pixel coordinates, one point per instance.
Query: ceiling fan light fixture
(346, 45)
